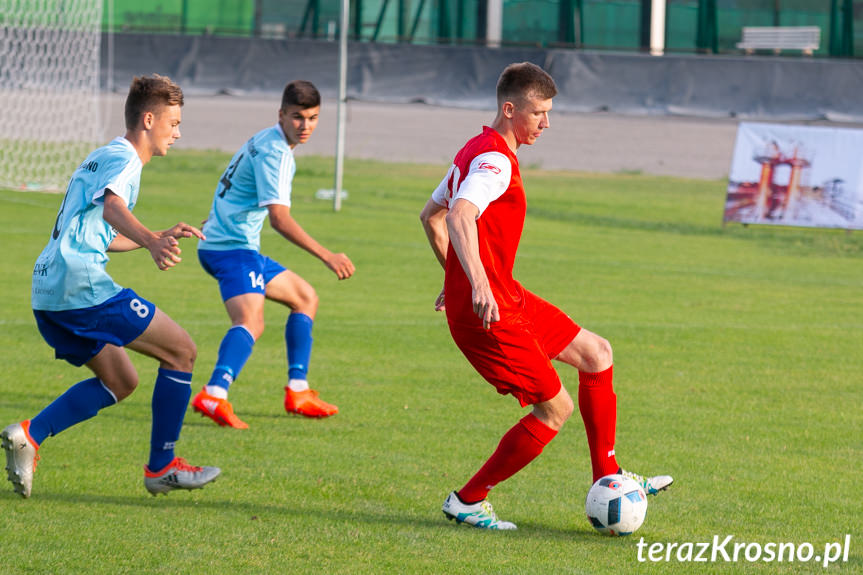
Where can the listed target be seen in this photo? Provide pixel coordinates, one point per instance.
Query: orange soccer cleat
(219, 410)
(307, 403)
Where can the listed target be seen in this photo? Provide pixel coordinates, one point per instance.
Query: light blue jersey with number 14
(70, 271)
(259, 174)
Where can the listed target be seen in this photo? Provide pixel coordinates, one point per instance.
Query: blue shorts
(77, 335)
(239, 271)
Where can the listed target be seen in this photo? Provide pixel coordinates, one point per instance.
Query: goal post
(49, 90)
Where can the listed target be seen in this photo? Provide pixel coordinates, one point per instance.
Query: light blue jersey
(259, 175)
(70, 272)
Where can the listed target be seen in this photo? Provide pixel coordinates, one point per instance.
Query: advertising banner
(808, 176)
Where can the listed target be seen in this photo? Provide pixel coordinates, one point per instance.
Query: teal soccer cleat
(479, 515)
(651, 485)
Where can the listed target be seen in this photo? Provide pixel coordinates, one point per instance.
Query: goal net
(49, 90)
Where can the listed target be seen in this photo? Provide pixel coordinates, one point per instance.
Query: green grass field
(737, 363)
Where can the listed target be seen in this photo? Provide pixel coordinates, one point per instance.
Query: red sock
(598, 406)
(521, 445)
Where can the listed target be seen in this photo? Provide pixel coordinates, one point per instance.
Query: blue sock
(170, 397)
(234, 351)
(80, 402)
(298, 337)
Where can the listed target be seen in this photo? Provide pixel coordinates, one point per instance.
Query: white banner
(796, 176)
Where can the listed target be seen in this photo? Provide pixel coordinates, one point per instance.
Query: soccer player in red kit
(474, 222)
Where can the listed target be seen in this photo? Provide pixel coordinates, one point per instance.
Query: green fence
(705, 26)
(181, 16)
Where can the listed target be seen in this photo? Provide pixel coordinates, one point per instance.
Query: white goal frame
(50, 115)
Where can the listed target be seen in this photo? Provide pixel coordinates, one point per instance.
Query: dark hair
(301, 93)
(522, 80)
(148, 94)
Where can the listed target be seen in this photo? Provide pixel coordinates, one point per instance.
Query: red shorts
(514, 354)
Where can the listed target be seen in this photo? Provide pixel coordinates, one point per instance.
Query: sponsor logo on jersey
(489, 167)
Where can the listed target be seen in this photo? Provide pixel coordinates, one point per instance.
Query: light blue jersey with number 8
(259, 174)
(70, 271)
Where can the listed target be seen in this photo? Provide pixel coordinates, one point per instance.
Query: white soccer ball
(616, 505)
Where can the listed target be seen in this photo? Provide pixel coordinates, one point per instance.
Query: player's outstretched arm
(182, 230)
(284, 223)
(165, 251)
(461, 225)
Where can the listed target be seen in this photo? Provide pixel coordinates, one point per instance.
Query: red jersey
(485, 172)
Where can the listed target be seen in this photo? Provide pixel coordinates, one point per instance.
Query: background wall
(465, 76)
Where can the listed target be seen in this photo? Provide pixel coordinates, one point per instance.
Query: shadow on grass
(430, 521)
(22, 401)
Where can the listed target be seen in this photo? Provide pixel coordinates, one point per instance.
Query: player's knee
(182, 357)
(308, 302)
(556, 411)
(193, 354)
(122, 387)
(605, 353)
(257, 331)
(564, 407)
(189, 355)
(567, 407)
(600, 356)
(311, 298)
(255, 327)
(130, 385)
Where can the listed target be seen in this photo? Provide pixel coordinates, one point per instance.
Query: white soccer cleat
(21, 457)
(178, 475)
(478, 515)
(651, 485)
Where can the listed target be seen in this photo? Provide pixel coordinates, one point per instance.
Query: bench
(777, 38)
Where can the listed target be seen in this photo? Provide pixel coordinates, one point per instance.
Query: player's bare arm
(461, 226)
(122, 244)
(284, 223)
(433, 218)
(165, 250)
(182, 230)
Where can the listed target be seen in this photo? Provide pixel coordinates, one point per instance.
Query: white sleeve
(487, 179)
(442, 195)
(274, 173)
(121, 184)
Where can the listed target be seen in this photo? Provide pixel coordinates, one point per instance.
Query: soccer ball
(616, 505)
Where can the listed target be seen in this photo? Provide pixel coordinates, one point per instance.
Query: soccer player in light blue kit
(257, 185)
(88, 319)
